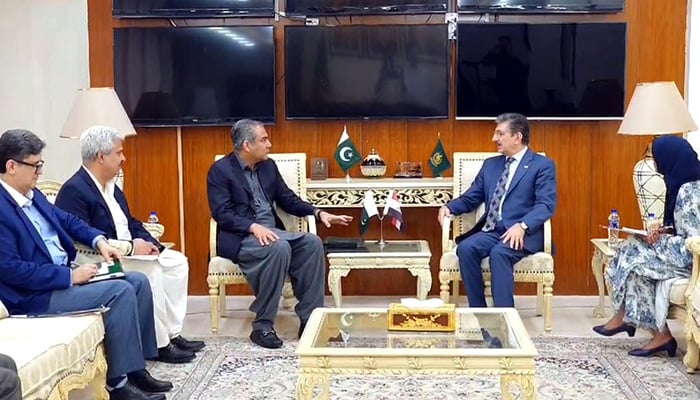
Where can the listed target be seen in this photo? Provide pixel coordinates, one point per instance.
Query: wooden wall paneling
(151, 178)
(199, 146)
(569, 145)
(655, 51)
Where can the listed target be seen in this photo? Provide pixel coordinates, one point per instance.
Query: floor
(573, 316)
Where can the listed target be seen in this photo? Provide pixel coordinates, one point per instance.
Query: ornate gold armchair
(538, 267)
(692, 307)
(223, 271)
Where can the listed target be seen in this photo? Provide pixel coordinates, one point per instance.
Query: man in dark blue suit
(519, 189)
(38, 276)
(244, 189)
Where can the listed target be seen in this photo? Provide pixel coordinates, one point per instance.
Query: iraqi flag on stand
(369, 210)
(392, 209)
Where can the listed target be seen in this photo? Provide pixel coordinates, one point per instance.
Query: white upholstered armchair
(538, 267)
(222, 271)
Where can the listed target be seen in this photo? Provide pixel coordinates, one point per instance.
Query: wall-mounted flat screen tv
(366, 72)
(545, 71)
(540, 6)
(191, 8)
(195, 76)
(358, 7)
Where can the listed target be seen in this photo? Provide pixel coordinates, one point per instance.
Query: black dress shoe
(669, 347)
(144, 381)
(600, 329)
(266, 339)
(173, 355)
(131, 392)
(186, 344)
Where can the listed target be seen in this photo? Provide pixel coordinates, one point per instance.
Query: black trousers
(10, 386)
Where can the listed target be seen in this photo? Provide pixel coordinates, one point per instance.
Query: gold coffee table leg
(308, 381)
(526, 383)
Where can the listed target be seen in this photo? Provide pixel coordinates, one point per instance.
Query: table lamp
(656, 108)
(97, 106)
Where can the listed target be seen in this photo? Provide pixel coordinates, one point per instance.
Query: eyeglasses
(37, 165)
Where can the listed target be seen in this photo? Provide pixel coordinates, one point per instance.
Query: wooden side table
(602, 253)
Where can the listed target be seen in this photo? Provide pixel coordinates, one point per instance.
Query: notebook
(108, 270)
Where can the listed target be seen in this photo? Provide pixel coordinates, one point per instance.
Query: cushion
(538, 262)
(45, 349)
(3, 311)
(221, 265)
(677, 295)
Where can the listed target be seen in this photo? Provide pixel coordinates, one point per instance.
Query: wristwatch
(523, 225)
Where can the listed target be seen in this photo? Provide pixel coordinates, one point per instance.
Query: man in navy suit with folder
(519, 189)
(37, 275)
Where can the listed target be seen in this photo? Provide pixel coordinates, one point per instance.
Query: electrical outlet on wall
(311, 21)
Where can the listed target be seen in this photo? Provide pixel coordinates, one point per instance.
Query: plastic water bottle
(153, 218)
(613, 228)
(652, 223)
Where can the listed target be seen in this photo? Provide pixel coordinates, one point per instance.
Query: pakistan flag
(346, 153)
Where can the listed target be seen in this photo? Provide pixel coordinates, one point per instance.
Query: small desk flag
(439, 162)
(346, 153)
(369, 210)
(393, 211)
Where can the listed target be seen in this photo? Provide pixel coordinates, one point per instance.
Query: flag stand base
(381, 241)
(347, 177)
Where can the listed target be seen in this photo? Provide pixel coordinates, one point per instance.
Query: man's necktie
(498, 193)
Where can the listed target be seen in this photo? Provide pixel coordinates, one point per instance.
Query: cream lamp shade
(656, 108)
(96, 106)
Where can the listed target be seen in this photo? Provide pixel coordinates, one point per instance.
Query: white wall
(693, 70)
(43, 62)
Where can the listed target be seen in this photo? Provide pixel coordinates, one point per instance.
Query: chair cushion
(221, 265)
(43, 359)
(538, 262)
(3, 311)
(677, 295)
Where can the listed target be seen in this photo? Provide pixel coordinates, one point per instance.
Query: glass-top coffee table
(486, 341)
(411, 255)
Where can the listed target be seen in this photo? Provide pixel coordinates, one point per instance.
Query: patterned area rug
(567, 368)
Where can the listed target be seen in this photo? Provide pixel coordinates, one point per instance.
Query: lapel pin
(526, 166)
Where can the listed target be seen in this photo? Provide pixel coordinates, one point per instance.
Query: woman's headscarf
(677, 161)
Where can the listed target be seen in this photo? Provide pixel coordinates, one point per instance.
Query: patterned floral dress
(637, 266)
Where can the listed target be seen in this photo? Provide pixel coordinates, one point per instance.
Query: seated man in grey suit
(243, 189)
(38, 276)
(10, 386)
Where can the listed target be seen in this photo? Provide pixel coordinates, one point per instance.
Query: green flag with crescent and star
(346, 153)
(439, 162)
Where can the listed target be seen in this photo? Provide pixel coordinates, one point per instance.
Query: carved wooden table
(486, 341)
(602, 253)
(411, 255)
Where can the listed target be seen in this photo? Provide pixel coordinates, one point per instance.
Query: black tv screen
(195, 76)
(358, 7)
(366, 72)
(546, 71)
(191, 8)
(540, 6)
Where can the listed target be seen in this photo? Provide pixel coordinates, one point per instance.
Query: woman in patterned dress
(641, 272)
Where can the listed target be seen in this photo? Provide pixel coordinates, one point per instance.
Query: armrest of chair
(447, 243)
(693, 244)
(548, 236)
(124, 247)
(311, 223)
(156, 230)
